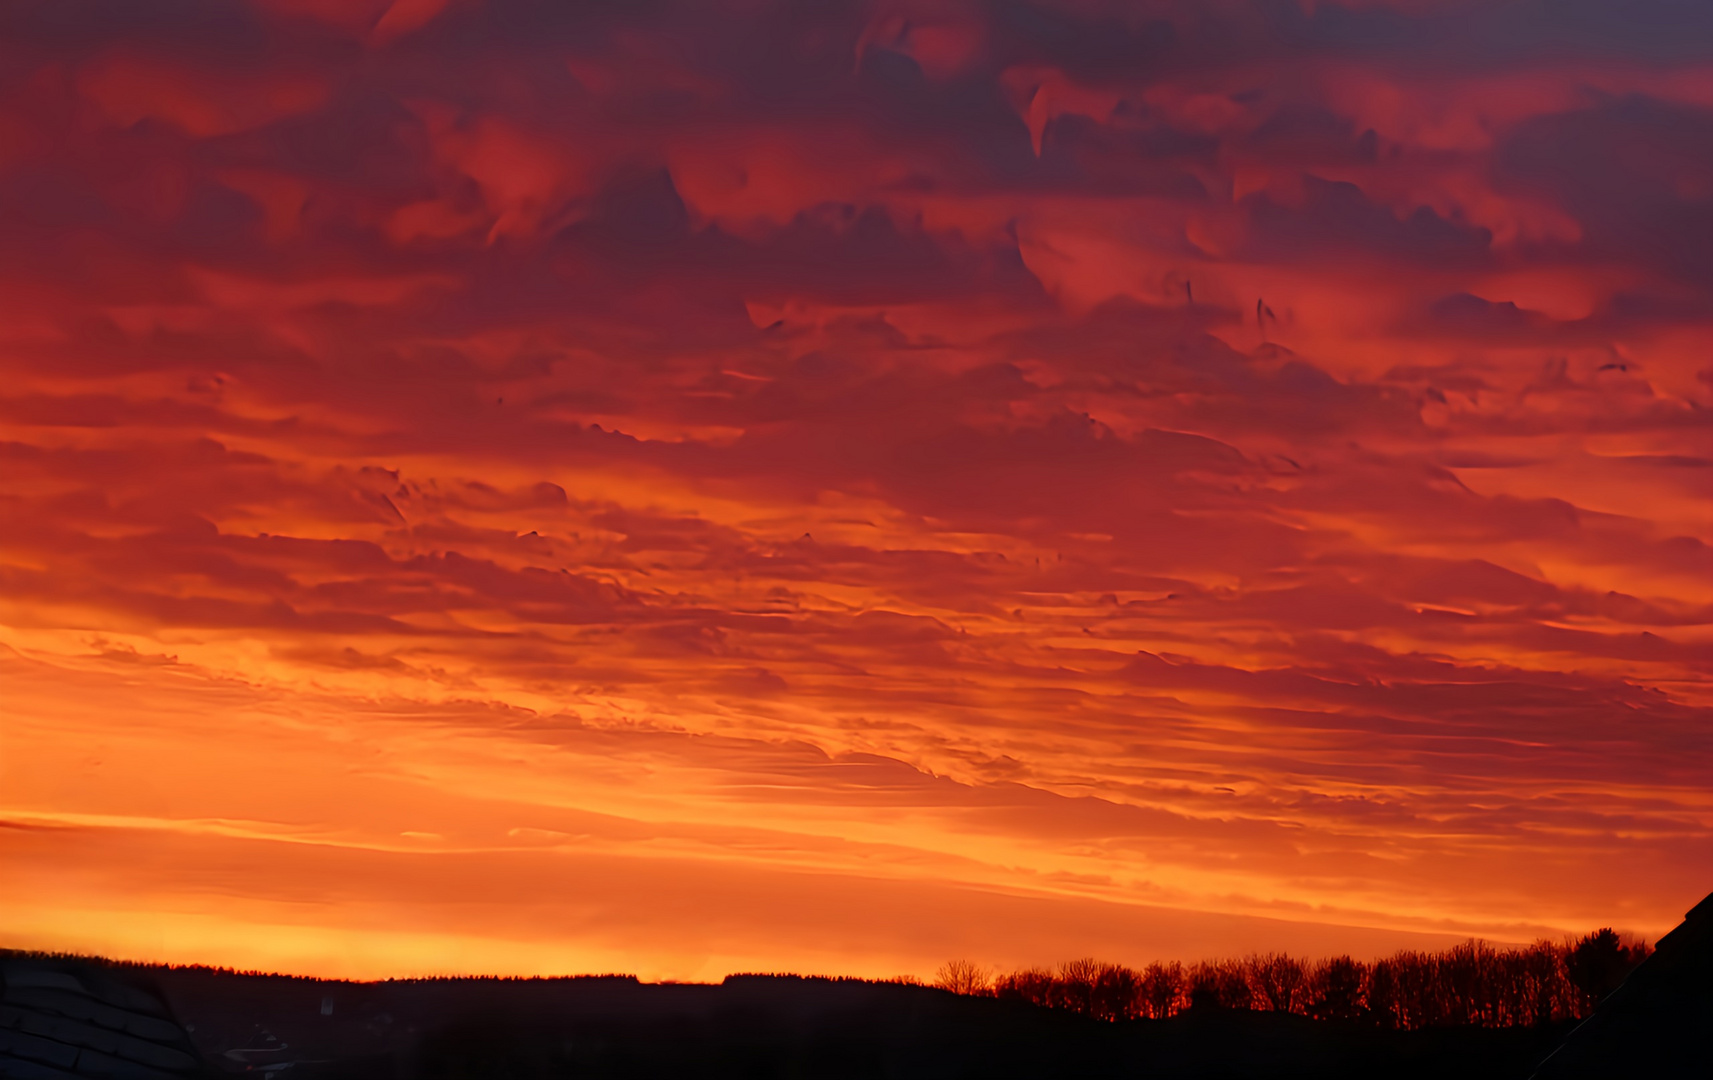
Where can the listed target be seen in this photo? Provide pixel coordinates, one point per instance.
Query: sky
(533, 487)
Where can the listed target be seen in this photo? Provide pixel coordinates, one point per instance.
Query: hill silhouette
(748, 1026)
(65, 1017)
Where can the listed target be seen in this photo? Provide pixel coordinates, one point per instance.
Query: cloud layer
(508, 485)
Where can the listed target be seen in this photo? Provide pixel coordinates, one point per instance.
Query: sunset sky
(693, 486)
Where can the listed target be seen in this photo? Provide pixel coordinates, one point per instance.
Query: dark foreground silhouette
(1660, 1018)
(749, 1026)
(1473, 984)
(65, 1017)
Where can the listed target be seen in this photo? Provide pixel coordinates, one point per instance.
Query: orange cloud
(561, 488)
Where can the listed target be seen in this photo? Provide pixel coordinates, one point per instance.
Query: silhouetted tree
(1469, 984)
(1220, 984)
(1389, 997)
(1597, 964)
(1162, 989)
(1117, 993)
(964, 977)
(1538, 985)
(1032, 985)
(1336, 989)
(1074, 988)
(1467, 972)
(1276, 981)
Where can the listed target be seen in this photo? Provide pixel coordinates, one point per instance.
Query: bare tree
(1074, 989)
(964, 977)
(1277, 981)
(1219, 984)
(1162, 989)
(1469, 984)
(1033, 985)
(1117, 993)
(1336, 989)
(1549, 983)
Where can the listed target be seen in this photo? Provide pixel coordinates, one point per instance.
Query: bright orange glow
(505, 487)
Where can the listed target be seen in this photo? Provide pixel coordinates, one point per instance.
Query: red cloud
(1121, 461)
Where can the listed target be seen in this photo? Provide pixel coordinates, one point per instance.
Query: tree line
(1469, 984)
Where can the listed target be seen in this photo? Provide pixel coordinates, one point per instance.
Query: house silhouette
(1659, 1023)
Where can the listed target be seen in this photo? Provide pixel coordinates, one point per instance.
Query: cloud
(1629, 170)
(1336, 218)
(1312, 135)
(1471, 316)
(1054, 460)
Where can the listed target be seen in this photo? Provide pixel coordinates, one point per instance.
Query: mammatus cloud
(522, 486)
